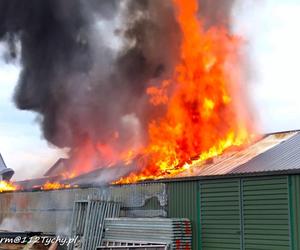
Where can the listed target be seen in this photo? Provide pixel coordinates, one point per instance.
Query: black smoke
(78, 83)
(52, 47)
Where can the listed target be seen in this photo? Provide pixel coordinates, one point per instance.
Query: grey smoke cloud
(86, 64)
(82, 84)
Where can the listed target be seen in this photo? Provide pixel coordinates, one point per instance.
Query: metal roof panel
(237, 162)
(284, 156)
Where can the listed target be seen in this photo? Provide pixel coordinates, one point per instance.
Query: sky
(272, 30)
(272, 38)
(21, 143)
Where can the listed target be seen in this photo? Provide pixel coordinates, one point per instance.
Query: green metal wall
(220, 217)
(255, 213)
(183, 202)
(266, 213)
(294, 198)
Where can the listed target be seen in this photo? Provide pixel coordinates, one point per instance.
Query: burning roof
(278, 152)
(284, 156)
(258, 157)
(173, 92)
(273, 152)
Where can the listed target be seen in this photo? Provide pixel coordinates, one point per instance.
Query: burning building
(157, 120)
(243, 199)
(171, 89)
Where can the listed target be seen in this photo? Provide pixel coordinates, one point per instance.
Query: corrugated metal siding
(220, 215)
(183, 203)
(50, 211)
(266, 214)
(45, 211)
(294, 190)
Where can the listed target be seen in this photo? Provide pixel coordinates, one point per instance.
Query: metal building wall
(39, 211)
(294, 200)
(267, 209)
(266, 213)
(220, 214)
(239, 213)
(50, 211)
(183, 202)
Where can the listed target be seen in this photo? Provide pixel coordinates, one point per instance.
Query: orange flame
(7, 186)
(55, 185)
(91, 155)
(206, 110)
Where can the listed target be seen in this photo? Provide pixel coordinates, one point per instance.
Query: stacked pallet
(176, 233)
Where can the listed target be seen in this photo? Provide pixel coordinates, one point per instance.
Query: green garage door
(220, 215)
(266, 214)
(246, 214)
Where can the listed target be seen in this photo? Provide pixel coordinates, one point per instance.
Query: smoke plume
(86, 64)
(216, 12)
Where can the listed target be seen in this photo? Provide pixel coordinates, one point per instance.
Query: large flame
(206, 109)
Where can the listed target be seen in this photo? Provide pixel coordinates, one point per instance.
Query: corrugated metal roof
(274, 152)
(284, 156)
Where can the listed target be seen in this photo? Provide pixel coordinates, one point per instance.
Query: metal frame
(133, 245)
(88, 221)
